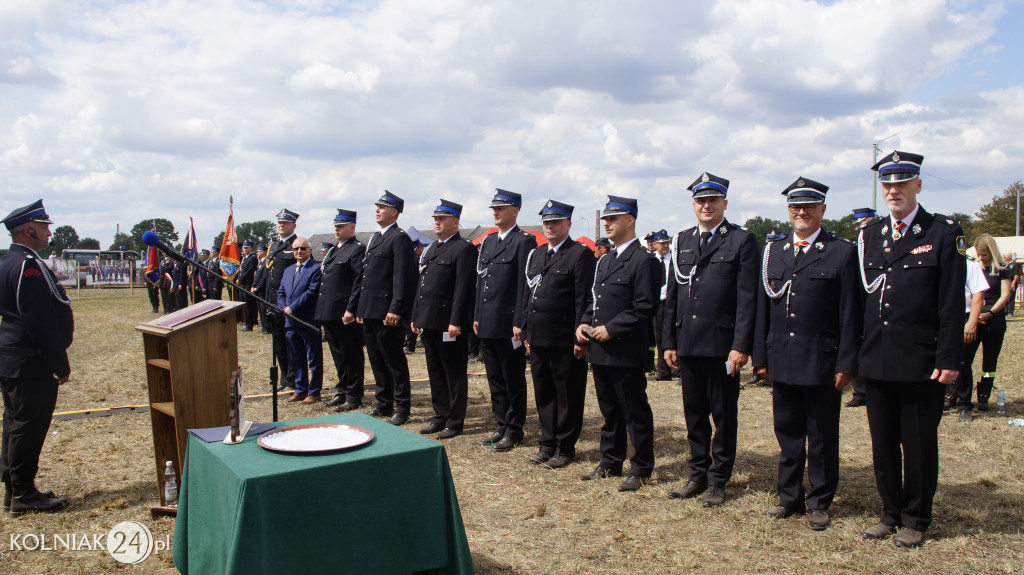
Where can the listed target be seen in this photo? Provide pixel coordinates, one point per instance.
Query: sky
(114, 112)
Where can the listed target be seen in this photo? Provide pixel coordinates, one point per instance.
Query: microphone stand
(274, 315)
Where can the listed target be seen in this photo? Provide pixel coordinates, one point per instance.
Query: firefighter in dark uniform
(36, 329)
(710, 308)
(247, 279)
(442, 314)
(166, 282)
(381, 301)
(259, 286)
(280, 257)
(214, 277)
(914, 274)
(198, 281)
(341, 267)
(559, 276)
(180, 274)
(806, 341)
(861, 218)
(622, 303)
(500, 303)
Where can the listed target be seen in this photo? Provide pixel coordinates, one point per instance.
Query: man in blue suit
(806, 340)
(297, 294)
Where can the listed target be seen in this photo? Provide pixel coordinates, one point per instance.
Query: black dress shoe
(9, 492)
(559, 461)
(381, 410)
(492, 438)
(506, 444)
(540, 457)
(347, 406)
(634, 482)
(714, 497)
(432, 428)
(448, 433)
(782, 512)
(336, 400)
(691, 489)
(400, 417)
(856, 402)
(26, 498)
(285, 386)
(600, 472)
(246, 328)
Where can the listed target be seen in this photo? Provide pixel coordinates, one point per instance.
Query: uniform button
(885, 323)
(890, 269)
(698, 279)
(695, 298)
(792, 293)
(694, 317)
(905, 266)
(796, 276)
(791, 334)
(886, 305)
(792, 315)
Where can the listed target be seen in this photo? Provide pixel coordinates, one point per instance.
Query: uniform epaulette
(688, 230)
(875, 222)
(842, 239)
(945, 220)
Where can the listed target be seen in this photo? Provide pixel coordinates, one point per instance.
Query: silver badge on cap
(800, 182)
(551, 204)
(895, 156)
(705, 178)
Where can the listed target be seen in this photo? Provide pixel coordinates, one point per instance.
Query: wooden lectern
(190, 355)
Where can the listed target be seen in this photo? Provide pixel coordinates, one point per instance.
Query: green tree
(260, 232)
(88, 244)
(64, 237)
(843, 227)
(966, 223)
(164, 229)
(218, 240)
(763, 226)
(999, 217)
(122, 239)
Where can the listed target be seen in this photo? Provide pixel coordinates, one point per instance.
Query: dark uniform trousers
(387, 360)
(346, 345)
(622, 397)
(506, 377)
(28, 409)
(918, 327)
(807, 426)
(560, 390)
(662, 368)
(708, 389)
(449, 384)
(904, 419)
(154, 295)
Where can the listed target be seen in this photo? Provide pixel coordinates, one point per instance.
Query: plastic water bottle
(1001, 401)
(1016, 422)
(170, 486)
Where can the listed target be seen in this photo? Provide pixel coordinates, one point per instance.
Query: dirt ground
(522, 519)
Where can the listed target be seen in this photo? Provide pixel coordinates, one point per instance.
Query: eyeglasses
(807, 208)
(299, 249)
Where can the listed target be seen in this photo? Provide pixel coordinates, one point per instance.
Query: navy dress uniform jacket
(387, 282)
(501, 285)
(714, 311)
(556, 304)
(812, 332)
(341, 268)
(278, 259)
(627, 289)
(923, 271)
(445, 292)
(37, 324)
(247, 270)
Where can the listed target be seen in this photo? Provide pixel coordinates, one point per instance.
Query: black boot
(8, 493)
(984, 391)
(26, 497)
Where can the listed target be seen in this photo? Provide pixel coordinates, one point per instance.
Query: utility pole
(874, 177)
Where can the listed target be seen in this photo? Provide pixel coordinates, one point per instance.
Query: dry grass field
(522, 519)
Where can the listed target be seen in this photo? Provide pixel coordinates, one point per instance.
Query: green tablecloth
(388, 507)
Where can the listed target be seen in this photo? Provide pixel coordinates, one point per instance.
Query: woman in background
(991, 322)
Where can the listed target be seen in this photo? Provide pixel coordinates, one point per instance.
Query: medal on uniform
(819, 246)
(916, 229)
(885, 246)
(885, 229)
(785, 248)
(896, 235)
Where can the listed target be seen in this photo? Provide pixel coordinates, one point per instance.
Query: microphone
(150, 238)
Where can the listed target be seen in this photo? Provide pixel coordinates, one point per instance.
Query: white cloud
(127, 110)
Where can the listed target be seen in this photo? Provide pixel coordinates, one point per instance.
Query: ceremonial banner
(230, 252)
(152, 263)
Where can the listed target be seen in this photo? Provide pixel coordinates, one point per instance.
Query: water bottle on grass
(1001, 401)
(170, 486)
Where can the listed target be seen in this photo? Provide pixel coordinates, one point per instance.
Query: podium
(190, 355)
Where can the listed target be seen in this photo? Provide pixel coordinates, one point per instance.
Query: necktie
(800, 245)
(547, 255)
(897, 231)
(705, 237)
